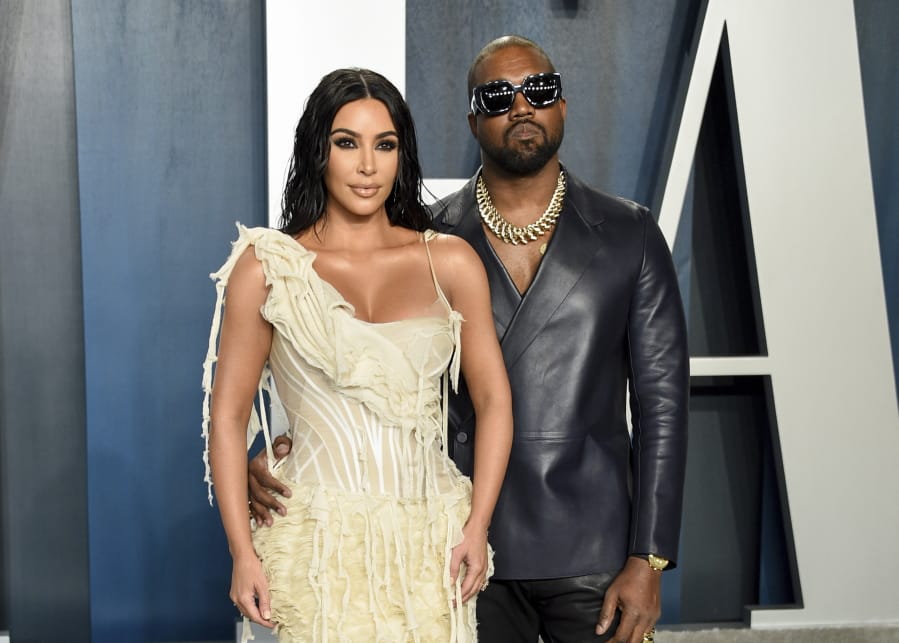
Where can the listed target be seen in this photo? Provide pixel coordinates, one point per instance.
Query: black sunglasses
(497, 96)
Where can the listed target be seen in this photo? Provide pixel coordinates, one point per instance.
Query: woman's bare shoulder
(459, 268)
(248, 269)
(453, 250)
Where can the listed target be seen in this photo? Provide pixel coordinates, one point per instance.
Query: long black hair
(305, 196)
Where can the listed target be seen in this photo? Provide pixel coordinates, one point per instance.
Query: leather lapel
(573, 246)
(462, 220)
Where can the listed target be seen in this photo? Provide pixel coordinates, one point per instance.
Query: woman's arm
(243, 349)
(488, 386)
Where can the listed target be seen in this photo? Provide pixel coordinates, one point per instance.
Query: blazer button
(461, 437)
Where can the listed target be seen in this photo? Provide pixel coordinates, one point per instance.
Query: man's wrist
(656, 563)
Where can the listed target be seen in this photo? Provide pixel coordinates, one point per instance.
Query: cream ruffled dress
(363, 552)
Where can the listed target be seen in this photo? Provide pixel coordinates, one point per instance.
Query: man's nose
(520, 106)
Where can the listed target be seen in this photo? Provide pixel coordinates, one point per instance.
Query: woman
(356, 309)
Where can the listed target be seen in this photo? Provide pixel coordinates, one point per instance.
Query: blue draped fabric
(132, 135)
(171, 151)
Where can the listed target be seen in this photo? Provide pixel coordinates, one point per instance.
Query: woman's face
(363, 160)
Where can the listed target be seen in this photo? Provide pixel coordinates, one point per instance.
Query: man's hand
(635, 592)
(262, 483)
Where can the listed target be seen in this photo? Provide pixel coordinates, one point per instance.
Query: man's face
(524, 139)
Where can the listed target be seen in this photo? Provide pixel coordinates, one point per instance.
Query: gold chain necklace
(516, 234)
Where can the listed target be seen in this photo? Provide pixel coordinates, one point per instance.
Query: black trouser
(561, 610)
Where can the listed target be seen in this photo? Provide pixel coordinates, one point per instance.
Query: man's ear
(563, 105)
(473, 124)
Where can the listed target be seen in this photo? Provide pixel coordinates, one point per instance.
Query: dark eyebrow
(343, 130)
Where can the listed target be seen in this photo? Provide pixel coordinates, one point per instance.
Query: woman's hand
(249, 584)
(473, 552)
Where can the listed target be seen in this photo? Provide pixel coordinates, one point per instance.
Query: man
(585, 300)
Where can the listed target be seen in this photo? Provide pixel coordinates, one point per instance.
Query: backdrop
(132, 136)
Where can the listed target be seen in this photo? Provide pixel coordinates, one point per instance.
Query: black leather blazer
(581, 494)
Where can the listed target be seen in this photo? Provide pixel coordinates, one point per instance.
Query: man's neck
(521, 197)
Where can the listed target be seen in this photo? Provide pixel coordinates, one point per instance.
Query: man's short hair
(501, 43)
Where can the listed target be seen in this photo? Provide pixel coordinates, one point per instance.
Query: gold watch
(657, 562)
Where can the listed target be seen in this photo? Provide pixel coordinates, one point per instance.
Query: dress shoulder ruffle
(312, 316)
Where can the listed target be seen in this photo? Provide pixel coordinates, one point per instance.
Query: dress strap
(454, 318)
(427, 236)
(451, 376)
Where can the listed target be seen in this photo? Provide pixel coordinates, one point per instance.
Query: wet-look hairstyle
(305, 196)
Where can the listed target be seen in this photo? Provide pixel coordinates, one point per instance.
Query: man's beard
(527, 157)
